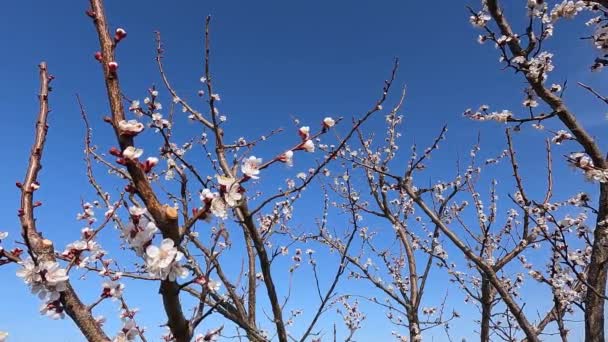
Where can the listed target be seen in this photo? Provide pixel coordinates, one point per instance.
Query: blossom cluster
(482, 114)
(140, 230)
(583, 161)
(47, 280)
(163, 261)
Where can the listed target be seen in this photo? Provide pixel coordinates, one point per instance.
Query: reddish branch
(167, 223)
(39, 248)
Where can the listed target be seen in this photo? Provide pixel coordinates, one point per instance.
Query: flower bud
(328, 122)
(113, 66)
(115, 152)
(120, 34)
(304, 132)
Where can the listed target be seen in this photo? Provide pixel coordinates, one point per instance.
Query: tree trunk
(487, 296)
(596, 277)
(414, 325)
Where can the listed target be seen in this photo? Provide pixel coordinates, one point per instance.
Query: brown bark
(597, 274)
(487, 297)
(42, 249)
(167, 224)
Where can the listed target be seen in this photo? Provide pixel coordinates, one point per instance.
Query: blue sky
(271, 60)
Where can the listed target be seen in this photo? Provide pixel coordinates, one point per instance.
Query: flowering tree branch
(165, 219)
(41, 249)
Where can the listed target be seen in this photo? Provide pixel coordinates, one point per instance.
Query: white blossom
(163, 261)
(232, 192)
(132, 153)
(329, 122)
(140, 230)
(287, 158)
(130, 128)
(250, 167)
(480, 19)
(309, 146)
(112, 289)
(128, 332)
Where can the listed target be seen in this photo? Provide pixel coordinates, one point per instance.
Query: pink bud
(120, 34)
(113, 66)
(17, 251)
(37, 204)
(99, 56)
(19, 184)
(115, 152)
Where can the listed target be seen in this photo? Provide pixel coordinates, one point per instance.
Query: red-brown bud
(113, 66)
(99, 56)
(115, 152)
(120, 34)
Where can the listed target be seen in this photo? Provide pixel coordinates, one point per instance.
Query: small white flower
(250, 167)
(152, 161)
(304, 132)
(3, 235)
(561, 136)
(287, 158)
(52, 309)
(3, 336)
(127, 333)
(218, 208)
(232, 192)
(140, 230)
(213, 285)
(29, 272)
(130, 128)
(207, 195)
(480, 19)
(309, 146)
(163, 261)
(132, 153)
(112, 289)
(329, 122)
(135, 105)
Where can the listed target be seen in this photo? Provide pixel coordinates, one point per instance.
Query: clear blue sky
(271, 59)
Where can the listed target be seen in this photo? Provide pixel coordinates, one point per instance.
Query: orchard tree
(156, 219)
(185, 207)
